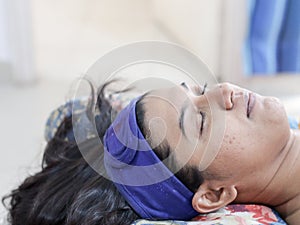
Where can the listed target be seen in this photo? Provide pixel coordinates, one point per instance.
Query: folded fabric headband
(143, 180)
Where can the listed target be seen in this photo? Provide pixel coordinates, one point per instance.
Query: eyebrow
(181, 117)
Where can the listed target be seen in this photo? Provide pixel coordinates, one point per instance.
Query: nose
(222, 94)
(227, 91)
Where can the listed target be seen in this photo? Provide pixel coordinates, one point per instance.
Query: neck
(283, 191)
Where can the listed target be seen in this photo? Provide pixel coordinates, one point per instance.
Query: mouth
(250, 103)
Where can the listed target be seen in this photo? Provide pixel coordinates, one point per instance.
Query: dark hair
(67, 190)
(189, 175)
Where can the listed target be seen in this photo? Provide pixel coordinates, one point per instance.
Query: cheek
(248, 145)
(233, 149)
(232, 144)
(234, 156)
(246, 149)
(272, 128)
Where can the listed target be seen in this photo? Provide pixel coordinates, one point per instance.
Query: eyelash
(183, 84)
(204, 88)
(202, 113)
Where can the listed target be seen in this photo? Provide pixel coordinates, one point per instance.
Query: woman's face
(228, 131)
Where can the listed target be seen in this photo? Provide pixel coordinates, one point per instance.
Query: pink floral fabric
(232, 214)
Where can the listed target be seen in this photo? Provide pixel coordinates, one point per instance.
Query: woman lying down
(170, 154)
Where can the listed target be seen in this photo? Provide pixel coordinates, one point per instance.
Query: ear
(207, 199)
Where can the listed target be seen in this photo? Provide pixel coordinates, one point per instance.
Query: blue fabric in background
(293, 122)
(289, 43)
(247, 48)
(265, 26)
(273, 41)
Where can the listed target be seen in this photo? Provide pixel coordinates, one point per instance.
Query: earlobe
(207, 200)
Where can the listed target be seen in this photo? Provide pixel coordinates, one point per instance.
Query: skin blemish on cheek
(226, 137)
(227, 141)
(232, 140)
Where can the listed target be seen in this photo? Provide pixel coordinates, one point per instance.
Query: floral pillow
(231, 214)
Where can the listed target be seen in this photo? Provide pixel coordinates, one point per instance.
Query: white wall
(4, 52)
(70, 35)
(16, 41)
(5, 66)
(194, 24)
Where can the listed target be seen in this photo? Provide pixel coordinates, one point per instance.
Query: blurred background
(45, 45)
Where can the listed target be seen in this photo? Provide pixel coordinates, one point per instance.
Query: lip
(250, 103)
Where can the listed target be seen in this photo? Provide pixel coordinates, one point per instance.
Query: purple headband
(144, 181)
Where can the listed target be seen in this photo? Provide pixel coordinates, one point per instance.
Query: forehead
(162, 109)
(159, 102)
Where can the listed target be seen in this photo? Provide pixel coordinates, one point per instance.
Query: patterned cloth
(232, 214)
(58, 115)
(77, 108)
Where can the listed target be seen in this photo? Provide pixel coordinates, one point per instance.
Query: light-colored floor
(24, 110)
(23, 113)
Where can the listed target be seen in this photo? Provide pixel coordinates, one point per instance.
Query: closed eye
(203, 115)
(198, 91)
(204, 89)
